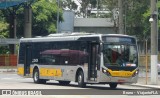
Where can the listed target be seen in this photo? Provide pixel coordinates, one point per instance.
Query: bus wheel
(81, 79)
(64, 82)
(36, 77)
(113, 85)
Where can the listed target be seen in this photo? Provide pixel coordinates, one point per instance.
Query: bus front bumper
(120, 80)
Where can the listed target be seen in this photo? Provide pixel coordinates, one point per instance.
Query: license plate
(121, 81)
(122, 74)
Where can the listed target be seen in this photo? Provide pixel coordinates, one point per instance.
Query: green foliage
(146, 24)
(4, 49)
(3, 27)
(158, 5)
(44, 17)
(93, 2)
(3, 33)
(69, 4)
(111, 4)
(137, 18)
(137, 13)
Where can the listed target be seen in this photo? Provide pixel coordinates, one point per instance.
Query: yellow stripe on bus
(31, 70)
(50, 72)
(43, 71)
(121, 73)
(20, 71)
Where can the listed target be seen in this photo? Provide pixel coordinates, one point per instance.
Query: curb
(147, 86)
(8, 70)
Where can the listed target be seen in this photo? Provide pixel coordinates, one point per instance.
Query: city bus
(85, 58)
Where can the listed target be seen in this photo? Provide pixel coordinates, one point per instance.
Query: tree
(81, 10)
(136, 19)
(111, 4)
(135, 12)
(158, 5)
(44, 17)
(69, 5)
(3, 33)
(3, 27)
(84, 5)
(43, 23)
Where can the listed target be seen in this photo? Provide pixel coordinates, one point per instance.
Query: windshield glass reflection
(120, 55)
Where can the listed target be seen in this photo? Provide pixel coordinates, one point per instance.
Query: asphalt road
(13, 81)
(54, 90)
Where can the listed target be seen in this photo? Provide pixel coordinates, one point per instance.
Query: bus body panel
(20, 69)
(69, 72)
(104, 78)
(57, 72)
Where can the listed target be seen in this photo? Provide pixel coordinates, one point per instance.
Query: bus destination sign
(112, 39)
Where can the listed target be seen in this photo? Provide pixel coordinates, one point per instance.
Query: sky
(77, 2)
(79, 5)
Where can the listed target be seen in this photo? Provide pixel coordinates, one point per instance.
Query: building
(94, 25)
(90, 25)
(68, 24)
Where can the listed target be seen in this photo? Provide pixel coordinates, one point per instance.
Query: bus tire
(36, 77)
(113, 85)
(64, 82)
(81, 80)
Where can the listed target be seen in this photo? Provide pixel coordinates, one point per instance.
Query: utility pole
(97, 8)
(58, 16)
(154, 41)
(15, 31)
(120, 19)
(28, 21)
(125, 20)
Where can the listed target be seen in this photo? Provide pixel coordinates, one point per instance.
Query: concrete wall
(103, 30)
(94, 25)
(68, 23)
(90, 25)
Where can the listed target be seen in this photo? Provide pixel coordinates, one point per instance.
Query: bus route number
(34, 60)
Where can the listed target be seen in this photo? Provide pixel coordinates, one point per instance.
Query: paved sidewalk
(8, 70)
(142, 83)
(146, 82)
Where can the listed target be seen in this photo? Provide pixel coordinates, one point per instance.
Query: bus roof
(67, 37)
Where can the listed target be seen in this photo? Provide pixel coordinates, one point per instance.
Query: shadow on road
(88, 86)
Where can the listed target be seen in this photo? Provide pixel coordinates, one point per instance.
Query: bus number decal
(34, 60)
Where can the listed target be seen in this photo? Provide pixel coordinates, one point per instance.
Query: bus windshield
(121, 55)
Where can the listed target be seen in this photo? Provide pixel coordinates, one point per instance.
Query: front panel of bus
(120, 59)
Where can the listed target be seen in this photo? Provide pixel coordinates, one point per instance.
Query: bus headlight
(135, 73)
(106, 72)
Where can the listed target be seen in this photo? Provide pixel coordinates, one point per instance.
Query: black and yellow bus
(80, 57)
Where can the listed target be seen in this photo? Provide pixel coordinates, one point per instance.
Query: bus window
(21, 53)
(120, 55)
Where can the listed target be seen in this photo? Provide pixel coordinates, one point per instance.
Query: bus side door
(27, 59)
(93, 60)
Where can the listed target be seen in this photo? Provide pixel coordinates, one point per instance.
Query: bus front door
(93, 61)
(27, 60)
